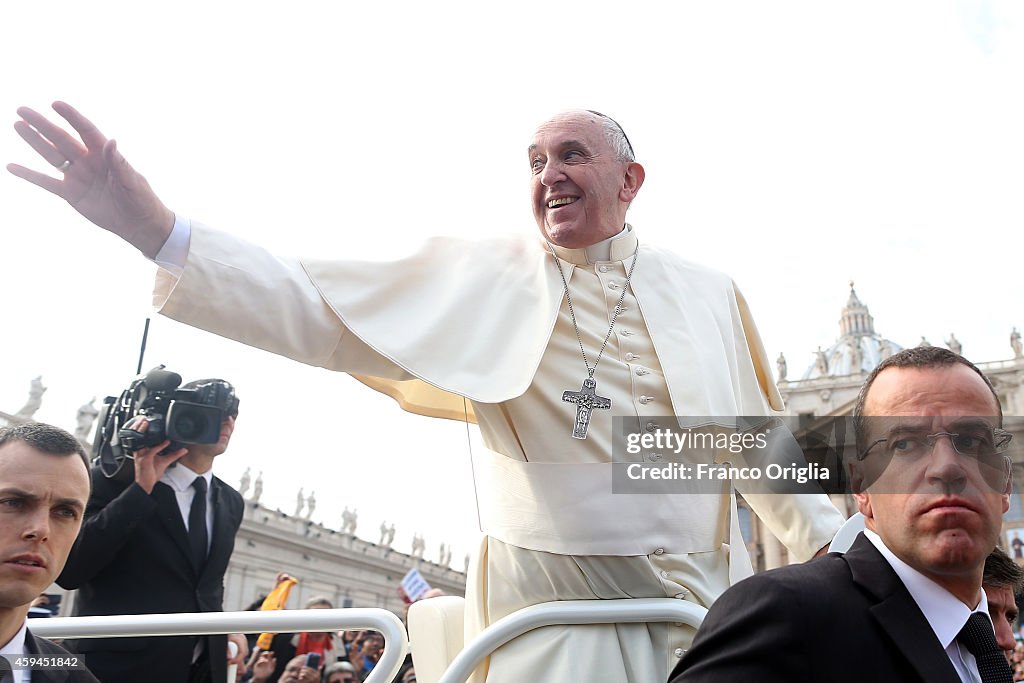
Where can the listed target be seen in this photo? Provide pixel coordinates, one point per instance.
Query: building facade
(342, 567)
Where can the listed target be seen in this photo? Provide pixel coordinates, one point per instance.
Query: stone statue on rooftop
(86, 416)
(35, 399)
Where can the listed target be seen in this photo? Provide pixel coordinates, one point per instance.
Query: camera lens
(191, 425)
(193, 422)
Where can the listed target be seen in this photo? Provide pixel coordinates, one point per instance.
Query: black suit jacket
(839, 618)
(132, 557)
(42, 646)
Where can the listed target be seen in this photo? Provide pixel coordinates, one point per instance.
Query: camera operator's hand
(149, 464)
(97, 181)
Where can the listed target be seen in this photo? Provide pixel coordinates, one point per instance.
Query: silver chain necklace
(586, 399)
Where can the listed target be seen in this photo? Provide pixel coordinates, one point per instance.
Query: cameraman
(137, 553)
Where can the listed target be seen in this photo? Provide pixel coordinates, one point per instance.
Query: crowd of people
(358, 652)
(338, 657)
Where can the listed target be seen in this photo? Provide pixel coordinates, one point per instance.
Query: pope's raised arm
(97, 180)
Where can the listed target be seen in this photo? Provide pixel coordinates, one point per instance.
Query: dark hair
(200, 382)
(917, 357)
(45, 438)
(210, 380)
(1002, 572)
(256, 604)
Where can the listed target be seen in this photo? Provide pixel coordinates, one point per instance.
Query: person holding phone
(301, 669)
(287, 646)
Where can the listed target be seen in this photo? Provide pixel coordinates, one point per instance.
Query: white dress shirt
(945, 613)
(180, 479)
(15, 648)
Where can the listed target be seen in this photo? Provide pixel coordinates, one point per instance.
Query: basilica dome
(857, 350)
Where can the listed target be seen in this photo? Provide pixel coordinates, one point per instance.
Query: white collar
(945, 613)
(180, 478)
(616, 248)
(15, 647)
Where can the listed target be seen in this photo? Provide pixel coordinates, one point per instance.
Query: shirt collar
(617, 248)
(15, 647)
(945, 613)
(180, 478)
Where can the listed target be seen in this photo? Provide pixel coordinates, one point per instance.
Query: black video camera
(185, 416)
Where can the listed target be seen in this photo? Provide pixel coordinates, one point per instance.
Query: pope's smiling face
(580, 187)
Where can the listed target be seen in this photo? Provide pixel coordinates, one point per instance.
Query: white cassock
(488, 321)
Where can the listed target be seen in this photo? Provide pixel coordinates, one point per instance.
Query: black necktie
(5, 671)
(197, 524)
(977, 636)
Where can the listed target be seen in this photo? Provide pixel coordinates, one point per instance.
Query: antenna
(142, 347)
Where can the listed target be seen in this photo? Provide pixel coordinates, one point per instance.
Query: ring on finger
(65, 166)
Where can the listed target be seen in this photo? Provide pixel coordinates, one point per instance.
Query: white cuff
(173, 255)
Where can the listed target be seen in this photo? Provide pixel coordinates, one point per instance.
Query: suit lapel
(897, 613)
(170, 516)
(43, 675)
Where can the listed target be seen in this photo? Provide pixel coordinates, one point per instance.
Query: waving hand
(97, 181)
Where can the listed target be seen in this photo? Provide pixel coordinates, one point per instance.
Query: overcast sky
(795, 145)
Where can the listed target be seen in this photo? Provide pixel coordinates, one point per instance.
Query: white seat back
(847, 534)
(435, 635)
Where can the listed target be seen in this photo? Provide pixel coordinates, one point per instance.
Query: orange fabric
(276, 600)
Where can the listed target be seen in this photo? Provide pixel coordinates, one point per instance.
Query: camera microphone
(160, 380)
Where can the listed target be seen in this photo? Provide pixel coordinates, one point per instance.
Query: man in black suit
(44, 486)
(140, 553)
(906, 602)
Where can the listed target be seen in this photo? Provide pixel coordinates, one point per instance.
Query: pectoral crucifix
(586, 400)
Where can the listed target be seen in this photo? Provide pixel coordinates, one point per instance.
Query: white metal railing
(629, 611)
(568, 612)
(210, 623)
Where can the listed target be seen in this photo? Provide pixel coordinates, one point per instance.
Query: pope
(545, 343)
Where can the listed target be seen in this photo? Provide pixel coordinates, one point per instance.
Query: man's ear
(631, 181)
(1008, 489)
(864, 504)
(857, 487)
(856, 475)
